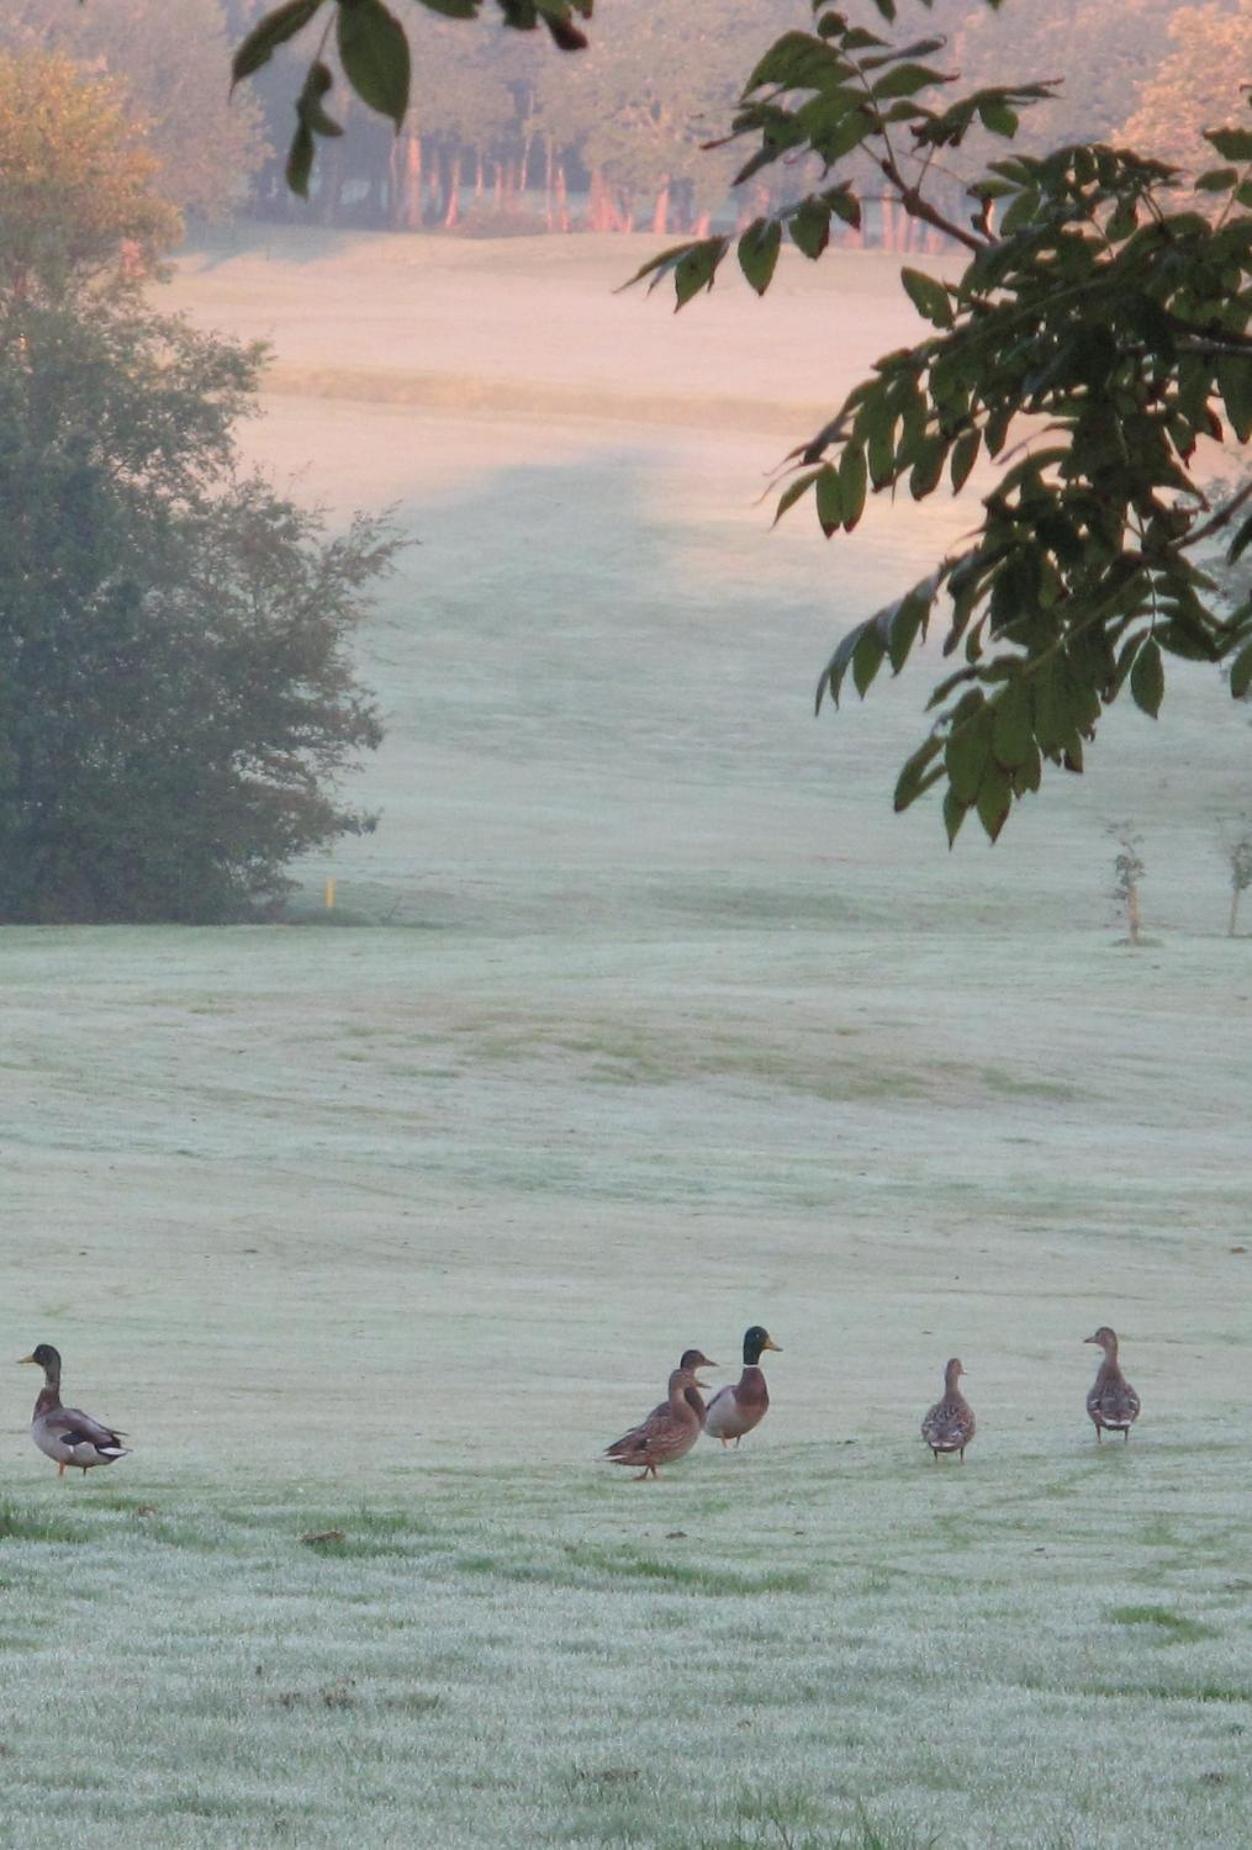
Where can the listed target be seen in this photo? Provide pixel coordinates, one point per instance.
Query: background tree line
(503, 137)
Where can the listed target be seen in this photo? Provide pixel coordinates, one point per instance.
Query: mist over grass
(648, 1022)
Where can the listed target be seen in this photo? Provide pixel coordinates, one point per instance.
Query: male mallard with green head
(672, 1428)
(950, 1425)
(63, 1434)
(1112, 1404)
(735, 1410)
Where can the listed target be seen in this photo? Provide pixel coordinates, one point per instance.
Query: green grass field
(640, 1019)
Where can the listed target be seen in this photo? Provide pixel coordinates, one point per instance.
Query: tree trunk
(660, 213)
(478, 173)
(406, 183)
(562, 198)
(1235, 895)
(600, 214)
(549, 164)
(886, 211)
(452, 211)
(1134, 918)
(701, 227)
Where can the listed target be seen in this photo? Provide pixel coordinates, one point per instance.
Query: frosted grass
(656, 1026)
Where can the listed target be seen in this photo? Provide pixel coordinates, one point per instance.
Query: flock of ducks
(70, 1437)
(672, 1428)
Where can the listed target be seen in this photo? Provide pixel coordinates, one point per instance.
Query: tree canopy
(177, 698)
(165, 58)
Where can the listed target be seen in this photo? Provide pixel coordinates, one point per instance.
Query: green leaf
(1217, 180)
(845, 205)
(697, 267)
(791, 494)
(453, 9)
(374, 52)
(867, 658)
(998, 119)
(906, 80)
(918, 774)
(853, 482)
(831, 678)
(1029, 774)
(758, 252)
(954, 814)
(909, 616)
(829, 496)
(927, 471)
(271, 31)
(967, 754)
(1012, 730)
(1147, 678)
(809, 226)
(797, 61)
(964, 456)
(564, 34)
(995, 799)
(1233, 144)
(1234, 381)
(300, 160)
(928, 296)
(1241, 672)
(309, 102)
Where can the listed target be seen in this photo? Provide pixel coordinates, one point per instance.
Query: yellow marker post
(330, 894)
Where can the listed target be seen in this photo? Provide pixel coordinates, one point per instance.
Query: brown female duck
(1112, 1404)
(688, 1362)
(672, 1428)
(950, 1425)
(63, 1434)
(735, 1410)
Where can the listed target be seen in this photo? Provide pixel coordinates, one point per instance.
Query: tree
(76, 179)
(166, 56)
(1099, 333)
(176, 695)
(1197, 84)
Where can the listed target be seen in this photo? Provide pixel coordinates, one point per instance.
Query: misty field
(638, 1020)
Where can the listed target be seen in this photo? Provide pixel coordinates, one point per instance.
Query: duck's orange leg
(61, 1469)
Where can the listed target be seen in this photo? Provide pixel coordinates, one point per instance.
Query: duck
(689, 1361)
(735, 1410)
(63, 1434)
(950, 1425)
(1112, 1404)
(672, 1428)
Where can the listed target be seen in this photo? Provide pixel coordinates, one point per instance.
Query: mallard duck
(63, 1434)
(672, 1428)
(950, 1425)
(1112, 1404)
(688, 1362)
(735, 1410)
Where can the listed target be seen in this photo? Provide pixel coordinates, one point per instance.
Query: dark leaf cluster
(1097, 336)
(372, 48)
